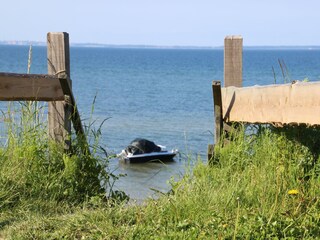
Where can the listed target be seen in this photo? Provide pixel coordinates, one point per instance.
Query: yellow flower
(293, 192)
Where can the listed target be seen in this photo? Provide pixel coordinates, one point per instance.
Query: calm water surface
(160, 94)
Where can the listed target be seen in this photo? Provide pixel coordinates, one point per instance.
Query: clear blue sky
(164, 22)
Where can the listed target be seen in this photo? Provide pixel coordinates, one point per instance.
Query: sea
(161, 94)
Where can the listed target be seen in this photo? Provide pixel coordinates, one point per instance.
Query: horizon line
(106, 45)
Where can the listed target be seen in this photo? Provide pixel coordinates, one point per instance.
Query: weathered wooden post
(217, 103)
(59, 112)
(233, 61)
(217, 109)
(232, 77)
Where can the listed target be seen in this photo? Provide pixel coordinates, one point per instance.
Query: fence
(54, 87)
(294, 103)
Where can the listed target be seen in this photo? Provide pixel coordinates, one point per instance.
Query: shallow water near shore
(145, 180)
(163, 95)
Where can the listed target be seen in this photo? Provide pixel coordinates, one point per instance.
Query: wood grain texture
(75, 116)
(294, 103)
(233, 61)
(217, 103)
(59, 112)
(29, 87)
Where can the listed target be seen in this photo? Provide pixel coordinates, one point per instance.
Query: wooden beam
(295, 103)
(233, 61)
(217, 111)
(29, 87)
(75, 116)
(59, 63)
(217, 103)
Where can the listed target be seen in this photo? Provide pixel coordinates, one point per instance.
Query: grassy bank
(262, 185)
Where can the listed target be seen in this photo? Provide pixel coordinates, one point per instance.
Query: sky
(164, 22)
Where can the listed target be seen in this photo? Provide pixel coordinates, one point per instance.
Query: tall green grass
(257, 189)
(36, 172)
(34, 169)
(263, 185)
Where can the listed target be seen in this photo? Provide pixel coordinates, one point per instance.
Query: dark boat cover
(141, 146)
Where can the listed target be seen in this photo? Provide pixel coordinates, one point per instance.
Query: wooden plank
(75, 116)
(59, 63)
(217, 103)
(29, 87)
(233, 61)
(296, 103)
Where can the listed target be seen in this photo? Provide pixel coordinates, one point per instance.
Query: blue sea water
(161, 94)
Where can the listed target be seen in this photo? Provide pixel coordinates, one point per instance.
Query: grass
(36, 174)
(263, 185)
(260, 186)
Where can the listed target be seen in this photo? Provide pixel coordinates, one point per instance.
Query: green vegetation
(263, 185)
(36, 175)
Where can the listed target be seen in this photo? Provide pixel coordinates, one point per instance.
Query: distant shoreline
(132, 46)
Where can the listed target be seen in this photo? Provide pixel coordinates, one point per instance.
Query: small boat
(143, 150)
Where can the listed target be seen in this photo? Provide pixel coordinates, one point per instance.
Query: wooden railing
(284, 104)
(55, 88)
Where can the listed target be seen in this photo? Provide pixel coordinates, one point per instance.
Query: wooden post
(59, 64)
(217, 103)
(233, 61)
(232, 77)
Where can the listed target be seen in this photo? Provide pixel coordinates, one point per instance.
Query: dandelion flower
(293, 192)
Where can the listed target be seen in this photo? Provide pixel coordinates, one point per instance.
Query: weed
(247, 195)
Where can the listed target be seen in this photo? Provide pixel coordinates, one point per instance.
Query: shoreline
(141, 46)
